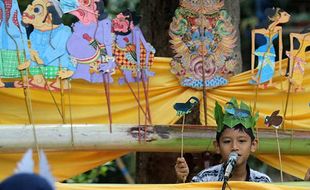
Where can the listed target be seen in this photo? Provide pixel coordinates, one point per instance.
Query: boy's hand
(307, 176)
(181, 169)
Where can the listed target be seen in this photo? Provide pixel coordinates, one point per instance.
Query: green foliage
(218, 115)
(116, 6)
(94, 175)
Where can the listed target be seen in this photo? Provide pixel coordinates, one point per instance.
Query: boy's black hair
(239, 127)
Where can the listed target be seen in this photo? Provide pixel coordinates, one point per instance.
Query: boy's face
(235, 140)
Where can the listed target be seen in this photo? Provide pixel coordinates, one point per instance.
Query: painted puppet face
(86, 11)
(284, 17)
(122, 23)
(36, 13)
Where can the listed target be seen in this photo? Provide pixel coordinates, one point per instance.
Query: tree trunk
(233, 8)
(156, 18)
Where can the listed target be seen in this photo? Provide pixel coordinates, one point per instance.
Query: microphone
(230, 165)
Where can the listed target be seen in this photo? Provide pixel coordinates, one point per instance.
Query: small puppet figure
(186, 108)
(49, 56)
(274, 120)
(13, 44)
(266, 53)
(90, 45)
(133, 54)
(297, 55)
(24, 177)
(183, 109)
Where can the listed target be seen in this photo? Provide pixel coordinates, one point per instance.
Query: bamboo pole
(18, 138)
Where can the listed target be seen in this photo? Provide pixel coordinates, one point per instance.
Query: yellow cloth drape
(63, 164)
(292, 164)
(189, 186)
(88, 105)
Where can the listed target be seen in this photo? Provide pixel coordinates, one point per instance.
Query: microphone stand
(225, 183)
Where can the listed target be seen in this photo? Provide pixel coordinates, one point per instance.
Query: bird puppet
(186, 108)
(237, 112)
(274, 120)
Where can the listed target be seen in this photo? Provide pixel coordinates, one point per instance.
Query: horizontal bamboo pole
(53, 137)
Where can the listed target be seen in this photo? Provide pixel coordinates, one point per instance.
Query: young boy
(234, 133)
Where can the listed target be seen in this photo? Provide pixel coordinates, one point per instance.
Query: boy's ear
(254, 145)
(216, 147)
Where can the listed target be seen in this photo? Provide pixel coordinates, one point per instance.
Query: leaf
(234, 101)
(218, 115)
(230, 121)
(244, 106)
(247, 122)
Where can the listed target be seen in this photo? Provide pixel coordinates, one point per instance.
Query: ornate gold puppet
(297, 55)
(49, 56)
(203, 39)
(266, 53)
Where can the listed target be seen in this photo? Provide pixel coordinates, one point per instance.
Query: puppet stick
(138, 101)
(204, 91)
(260, 72)
(62, 100)
(26, 91)
(48, 87)
(182, 141)
(279, 155)
(25, 80)
(107, 94)
(182, 136)
(135, 96)
(70, 114)
(146, 90)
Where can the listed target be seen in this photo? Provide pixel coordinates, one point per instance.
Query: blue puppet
(266, 53)
(13, 42)
(49, 55)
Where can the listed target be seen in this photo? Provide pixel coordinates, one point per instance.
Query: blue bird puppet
(186, 108)
(236, 112)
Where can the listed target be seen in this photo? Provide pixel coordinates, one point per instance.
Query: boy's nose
(235, 146)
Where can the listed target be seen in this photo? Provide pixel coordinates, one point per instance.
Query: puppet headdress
(68, 5)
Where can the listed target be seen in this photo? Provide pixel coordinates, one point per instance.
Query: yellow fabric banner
(63, 164)
(189, 186)
(88, 105)
(292, 164)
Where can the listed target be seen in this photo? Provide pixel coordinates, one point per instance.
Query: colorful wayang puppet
(90, 45)
(266, 53)
(49, 56)
(134, 56)
(13, 43)
(203, 38)
(297, 57)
